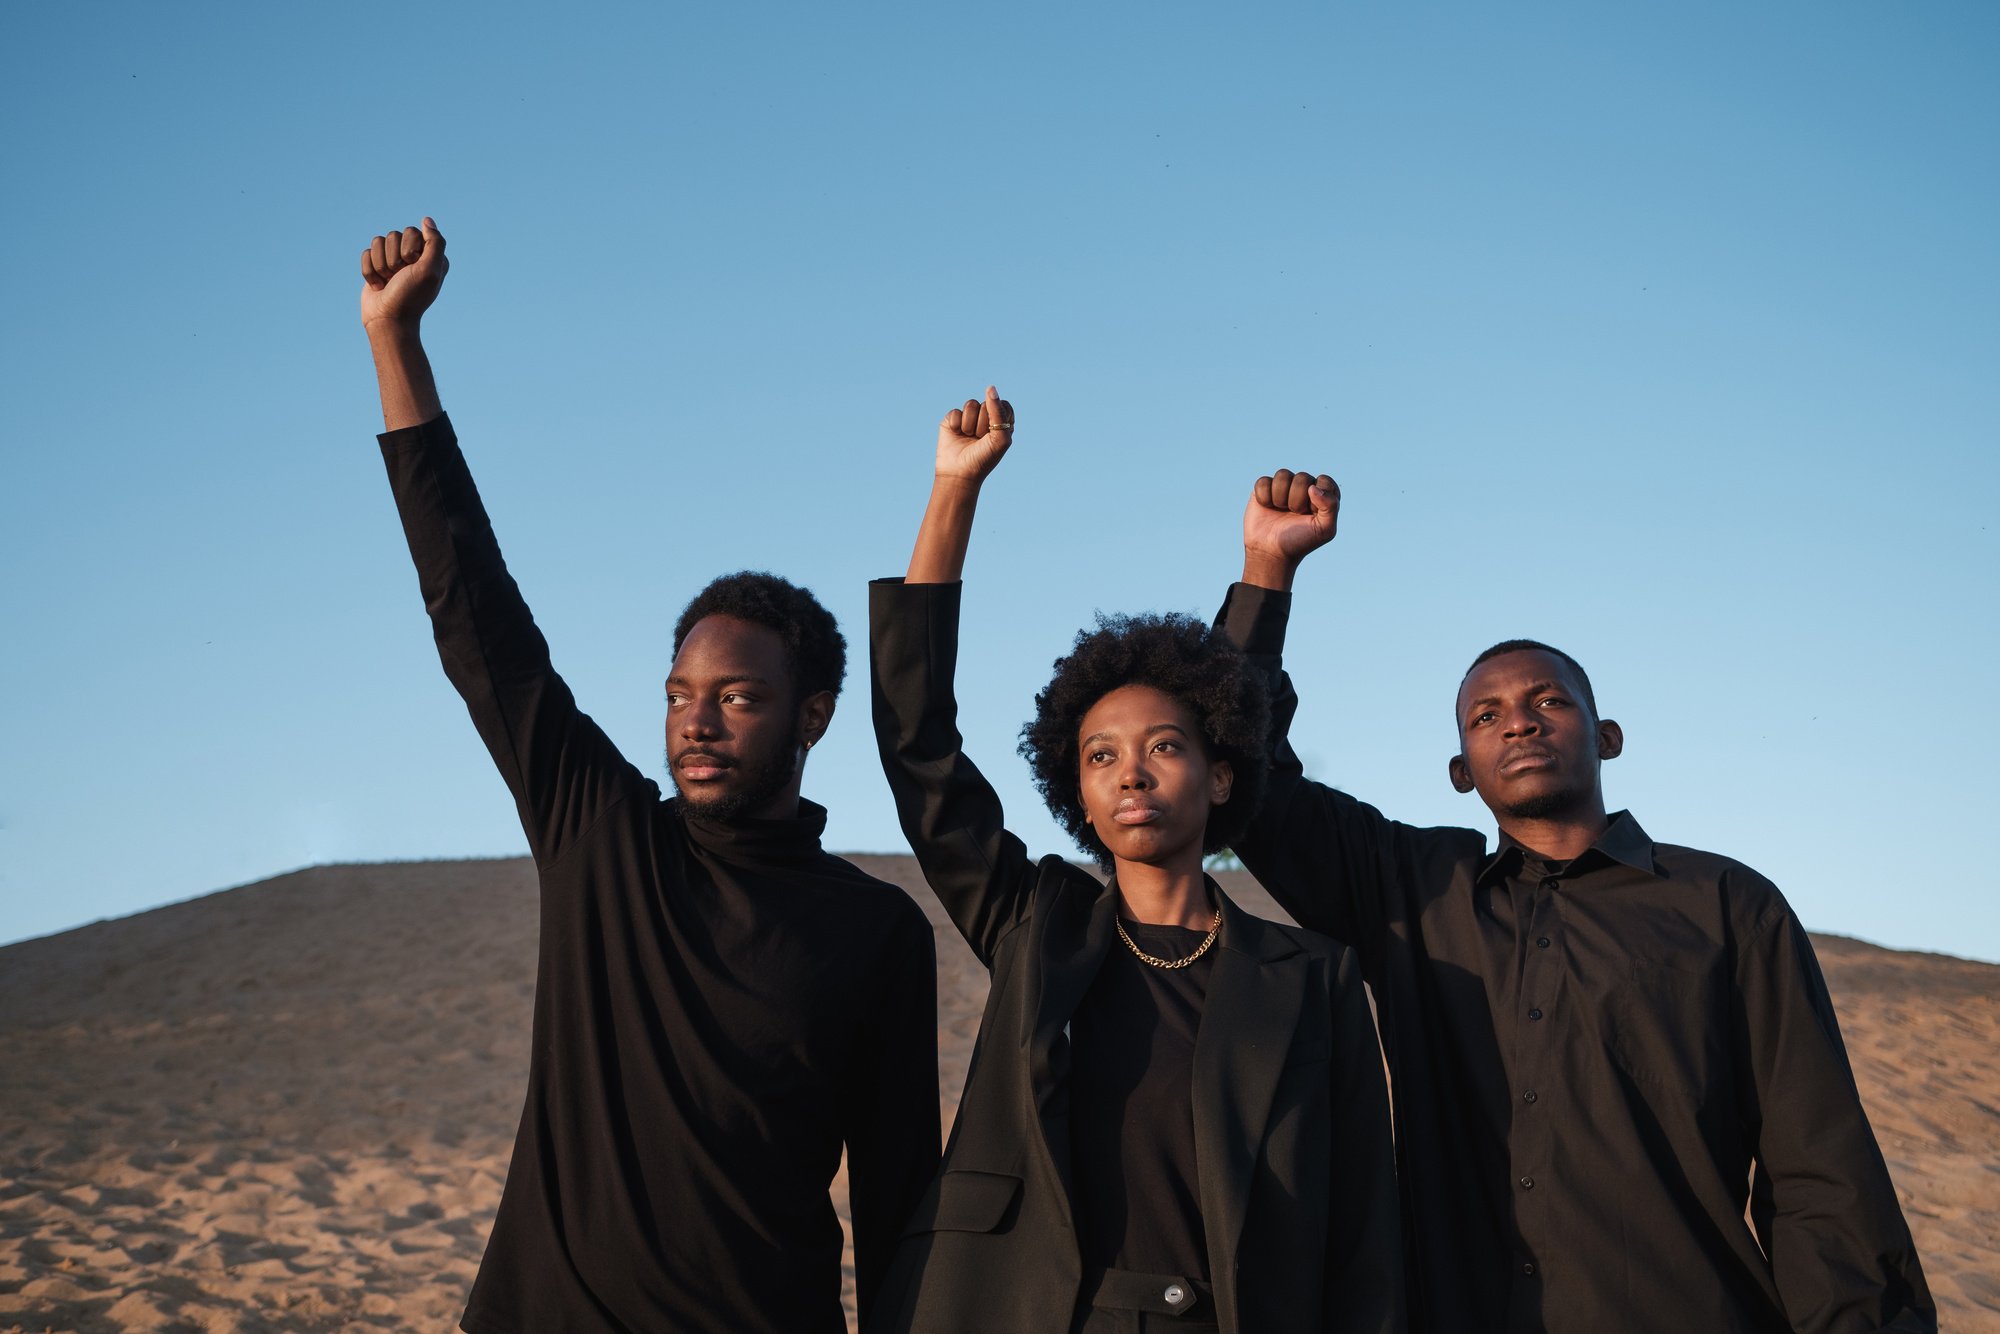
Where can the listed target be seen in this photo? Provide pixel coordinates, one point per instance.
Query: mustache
(709, 756)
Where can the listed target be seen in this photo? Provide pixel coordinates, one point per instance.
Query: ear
(1221, 782)
(815, 712)
(1461, 774)
(1610, 740)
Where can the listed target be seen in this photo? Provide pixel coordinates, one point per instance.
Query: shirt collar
(1622, 841)
(748, 840)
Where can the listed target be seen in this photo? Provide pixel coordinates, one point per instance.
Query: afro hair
(814, 646)
(1177, 655)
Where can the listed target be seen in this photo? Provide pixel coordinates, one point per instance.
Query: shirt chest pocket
(1666, 1023)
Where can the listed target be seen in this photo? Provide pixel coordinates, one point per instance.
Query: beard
(753, 782)
(1543, 806)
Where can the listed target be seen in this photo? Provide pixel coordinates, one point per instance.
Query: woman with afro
(1175, 1115)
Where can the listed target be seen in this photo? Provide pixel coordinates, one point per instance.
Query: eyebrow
(1156, 727)
(1550, 686)
(739, 679)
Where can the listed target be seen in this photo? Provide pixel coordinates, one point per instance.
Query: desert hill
(289, 1106)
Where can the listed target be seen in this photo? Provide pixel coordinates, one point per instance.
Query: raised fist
(1290, 515)
(401, 274)
(972, 439)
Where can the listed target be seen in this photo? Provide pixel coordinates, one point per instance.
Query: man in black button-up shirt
(1603, 1049)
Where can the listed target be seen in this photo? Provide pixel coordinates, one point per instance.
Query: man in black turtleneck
(720, 1005)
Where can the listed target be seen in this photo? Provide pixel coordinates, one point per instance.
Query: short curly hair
(1177, 655)
(1537, 646)
(814, 647)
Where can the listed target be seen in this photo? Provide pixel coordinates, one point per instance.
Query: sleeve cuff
(1255, 619)
(436, 431)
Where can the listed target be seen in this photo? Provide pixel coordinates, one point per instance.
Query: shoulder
(1434, 840)
(1275, 940)
(1304, 941)
(1057, 872)
(1334, 969)
(880, 913)
(1749, 899)
(871, 893)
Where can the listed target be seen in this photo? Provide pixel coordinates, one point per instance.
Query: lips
(1133, 811)
(1527, 761)
(701, 766)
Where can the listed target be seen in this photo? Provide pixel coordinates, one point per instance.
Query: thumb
(1325, 498)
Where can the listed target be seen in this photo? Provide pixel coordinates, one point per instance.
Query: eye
(1555, 702)
(1098, 756)
(1481, 719)
(675, 699)
(738, 697)
(1166, 747)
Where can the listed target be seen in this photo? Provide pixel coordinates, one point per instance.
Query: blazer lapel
(1253, 1005)
(1068, 954)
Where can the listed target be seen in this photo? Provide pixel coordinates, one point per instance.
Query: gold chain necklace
(1199, 950)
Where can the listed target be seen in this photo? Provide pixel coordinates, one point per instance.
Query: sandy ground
(289, 1106)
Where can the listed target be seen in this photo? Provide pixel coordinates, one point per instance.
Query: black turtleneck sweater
(718, 1007)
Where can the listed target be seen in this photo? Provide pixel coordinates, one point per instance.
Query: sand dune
(289, 1106)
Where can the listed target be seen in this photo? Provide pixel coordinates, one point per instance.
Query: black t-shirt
(1132, 1154)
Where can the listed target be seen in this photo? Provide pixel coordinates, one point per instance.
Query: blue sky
(1667, 334)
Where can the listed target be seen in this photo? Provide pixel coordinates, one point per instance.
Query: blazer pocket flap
(969, 1201)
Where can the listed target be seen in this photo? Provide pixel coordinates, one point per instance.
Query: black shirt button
(1534, 1014)
(1542, 942)
(1548, 884)
(1529, 1269)
(1529, 1096)
(1527, 1183)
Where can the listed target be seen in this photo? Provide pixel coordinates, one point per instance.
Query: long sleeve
(949, 812)
(1364, 1240)
(1318, 851)
(560, 767)
(1824, 1207)
(892, 1157)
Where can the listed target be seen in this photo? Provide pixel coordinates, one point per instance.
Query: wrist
(953, 486)
(1265, 570)
(395, 331)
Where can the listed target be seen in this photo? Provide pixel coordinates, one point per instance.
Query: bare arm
(971, 442)
(401, 274)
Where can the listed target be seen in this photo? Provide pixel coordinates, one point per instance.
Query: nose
(1134, 776)
(700, 720)
(1523, 722)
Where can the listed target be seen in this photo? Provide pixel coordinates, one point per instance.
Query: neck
(1169, 895)
(784, 804)
(1558, 837)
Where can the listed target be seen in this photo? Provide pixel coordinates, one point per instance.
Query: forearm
(939, 557)
(561, 769)
(1824, 1205)
(1317, 850)
(950, 814)
(893, 1140)
(1364, 1254)
(403, 374)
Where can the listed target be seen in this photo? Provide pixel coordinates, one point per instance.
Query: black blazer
(1297, 1183)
